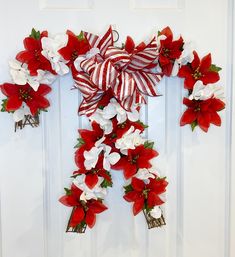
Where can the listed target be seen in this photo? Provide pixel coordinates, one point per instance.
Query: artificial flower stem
(80, 228)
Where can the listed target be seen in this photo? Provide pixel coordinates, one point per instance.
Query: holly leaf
(128, 188)
(80, 143)
(80, 37)
(142, 124)
(67, 191)
(148, 144)
(215, 68)
(106, 183)
(194, 125)
(3, 105)
(35, 34)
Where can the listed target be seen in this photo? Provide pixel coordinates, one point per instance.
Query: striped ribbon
(130, 76)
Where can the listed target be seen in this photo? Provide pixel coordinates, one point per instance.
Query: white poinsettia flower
(91, 157)
(45, 77)
(204, 92)
(21, 75)
(115, 109)
(110, 158)
(104, 123)
(129, 140)
(19, 114)
(187, 54)
(50, 47)
(144, 174)
(18, 72)
(185, 57)
(96, 192)
(156, 212)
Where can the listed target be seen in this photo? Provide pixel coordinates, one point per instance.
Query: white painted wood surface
(36, 163)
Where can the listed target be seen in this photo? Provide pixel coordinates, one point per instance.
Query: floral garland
(114, 82)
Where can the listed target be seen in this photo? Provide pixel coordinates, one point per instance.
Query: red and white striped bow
(130, 75)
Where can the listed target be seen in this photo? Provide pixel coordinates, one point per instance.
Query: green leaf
(67, 191)
(80, 143)
(114, 135)
(41, 110)
(35, 34)
(128, 188)
(80, 37)
(161, 178)
(142, 124)
(4, 102)
(106, 183)
(148, 144)
(75, 175)
(159, 33)
(194, 125)
(215, 68)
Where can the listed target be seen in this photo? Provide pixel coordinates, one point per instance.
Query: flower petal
(9, 89)
(91, 180)
(13, 103)
(131, 196)
(154, 199)
(137, 184)
(138, 205)
(205, 63)
(77, 217)
(68, 200)
(90, 218)
(97, 207)
(188, 117)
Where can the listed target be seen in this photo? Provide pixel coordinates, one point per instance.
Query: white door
(36, 163)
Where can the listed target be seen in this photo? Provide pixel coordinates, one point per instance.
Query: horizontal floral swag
(114, 82)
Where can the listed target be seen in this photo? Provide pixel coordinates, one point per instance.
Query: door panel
(36, 163)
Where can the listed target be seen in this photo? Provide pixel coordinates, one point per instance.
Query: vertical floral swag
(114, 82)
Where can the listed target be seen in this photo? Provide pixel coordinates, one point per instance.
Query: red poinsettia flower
(145, 193)
(91, 136)
(135, 159)
(83, 211)
(92, 176)
(17, 94)
(169, 51)
(32, 55)
(198, 70)
(202, 113)
(76, 46)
